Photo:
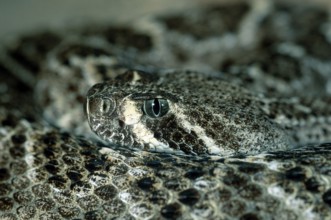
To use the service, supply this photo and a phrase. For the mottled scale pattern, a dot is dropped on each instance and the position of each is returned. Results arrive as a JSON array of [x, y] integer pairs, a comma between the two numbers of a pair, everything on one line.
[[226, 120], [254, 76], [58, 176]]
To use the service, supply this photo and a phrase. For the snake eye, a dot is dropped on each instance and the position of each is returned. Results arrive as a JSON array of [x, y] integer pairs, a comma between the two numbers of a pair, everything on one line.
[[100, 106], [156, 108]]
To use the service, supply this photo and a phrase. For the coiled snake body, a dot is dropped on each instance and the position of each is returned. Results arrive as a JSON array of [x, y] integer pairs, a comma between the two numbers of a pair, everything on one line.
[[222, 112]]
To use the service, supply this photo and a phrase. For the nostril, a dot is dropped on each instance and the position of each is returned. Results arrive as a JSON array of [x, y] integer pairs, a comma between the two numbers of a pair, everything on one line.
[[121, 123]]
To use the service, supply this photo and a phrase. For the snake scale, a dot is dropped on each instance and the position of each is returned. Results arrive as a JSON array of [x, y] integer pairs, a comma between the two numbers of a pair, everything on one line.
[[219, 112]]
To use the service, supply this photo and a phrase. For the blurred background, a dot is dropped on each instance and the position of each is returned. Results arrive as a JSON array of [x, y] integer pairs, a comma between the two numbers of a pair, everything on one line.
[[17, 16]]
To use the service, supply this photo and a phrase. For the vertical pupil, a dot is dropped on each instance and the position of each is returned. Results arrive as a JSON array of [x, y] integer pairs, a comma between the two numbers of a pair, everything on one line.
[[156, 107]]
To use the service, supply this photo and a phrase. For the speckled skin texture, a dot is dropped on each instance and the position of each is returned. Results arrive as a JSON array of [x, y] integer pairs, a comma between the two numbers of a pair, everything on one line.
[[264, 70], [206, 115]]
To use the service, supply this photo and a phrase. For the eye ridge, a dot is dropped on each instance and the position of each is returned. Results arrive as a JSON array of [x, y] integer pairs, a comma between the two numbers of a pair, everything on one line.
[[156, 108]]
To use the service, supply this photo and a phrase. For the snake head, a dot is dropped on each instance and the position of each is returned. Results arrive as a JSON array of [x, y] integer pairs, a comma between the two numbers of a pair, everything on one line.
[[138, 110], [123, 111]]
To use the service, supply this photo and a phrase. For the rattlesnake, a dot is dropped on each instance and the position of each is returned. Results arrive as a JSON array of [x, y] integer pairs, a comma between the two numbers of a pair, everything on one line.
[[202, 115]]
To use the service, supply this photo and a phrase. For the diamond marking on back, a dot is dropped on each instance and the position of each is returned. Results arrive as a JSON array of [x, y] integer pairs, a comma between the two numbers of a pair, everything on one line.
[[204, 117]]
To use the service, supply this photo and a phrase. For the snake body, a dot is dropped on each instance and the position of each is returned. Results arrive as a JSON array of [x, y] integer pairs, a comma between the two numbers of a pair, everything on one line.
[[221, 112]]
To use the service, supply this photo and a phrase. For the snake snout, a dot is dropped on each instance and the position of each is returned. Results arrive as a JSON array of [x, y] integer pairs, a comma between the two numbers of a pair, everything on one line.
[[100, 106]]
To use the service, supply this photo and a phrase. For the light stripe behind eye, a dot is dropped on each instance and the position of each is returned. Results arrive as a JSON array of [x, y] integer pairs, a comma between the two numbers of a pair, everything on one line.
[[145, 136], [209, 142]]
